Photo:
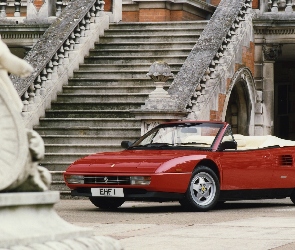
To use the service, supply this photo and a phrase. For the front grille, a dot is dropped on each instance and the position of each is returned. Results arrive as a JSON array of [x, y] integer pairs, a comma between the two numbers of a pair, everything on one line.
[[107, 180]]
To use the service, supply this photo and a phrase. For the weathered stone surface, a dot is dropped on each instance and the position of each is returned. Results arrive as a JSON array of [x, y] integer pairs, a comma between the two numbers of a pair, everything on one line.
[[28, 221], [52, 39], [204, 51]]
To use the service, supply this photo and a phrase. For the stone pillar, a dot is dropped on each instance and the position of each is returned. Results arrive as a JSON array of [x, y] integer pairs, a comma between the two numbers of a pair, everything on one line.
[[116, 11], [268, 97], [158, 107], [270, 53]]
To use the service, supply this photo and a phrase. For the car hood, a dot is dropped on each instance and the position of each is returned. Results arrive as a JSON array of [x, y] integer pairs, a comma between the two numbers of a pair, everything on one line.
[[127, 161]]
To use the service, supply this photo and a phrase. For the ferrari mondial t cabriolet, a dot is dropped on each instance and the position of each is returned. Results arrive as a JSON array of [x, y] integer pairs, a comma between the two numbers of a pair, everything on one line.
[[199, 164]]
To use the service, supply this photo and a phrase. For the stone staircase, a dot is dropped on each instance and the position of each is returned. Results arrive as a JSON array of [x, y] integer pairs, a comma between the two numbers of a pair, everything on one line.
[[92, 112]]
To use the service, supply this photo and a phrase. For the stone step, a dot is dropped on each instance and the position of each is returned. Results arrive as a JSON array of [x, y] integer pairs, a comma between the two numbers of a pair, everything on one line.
[[140, 52], [102, 97], [90, 122], [113, 73], [63, 157], [93, 131], [157, 31], [200, 24], [130, 82], [115, 105], [50, 140], [88, 114], [124, 67], [134, 59], [56, 166], [145, 45], [149, 38], [109, 89], [84, 149]]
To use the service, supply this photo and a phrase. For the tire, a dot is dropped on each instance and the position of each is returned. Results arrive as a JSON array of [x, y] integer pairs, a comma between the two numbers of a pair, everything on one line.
[[203, 191], [107, 203], [292, 196]]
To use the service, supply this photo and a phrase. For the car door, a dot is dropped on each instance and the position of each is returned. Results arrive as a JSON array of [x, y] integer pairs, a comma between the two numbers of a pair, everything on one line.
[[246, 169], [283, 167]]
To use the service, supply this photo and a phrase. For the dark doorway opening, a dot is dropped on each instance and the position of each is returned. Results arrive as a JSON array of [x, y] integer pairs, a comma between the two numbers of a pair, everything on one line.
[[237, 113], [284, 106]]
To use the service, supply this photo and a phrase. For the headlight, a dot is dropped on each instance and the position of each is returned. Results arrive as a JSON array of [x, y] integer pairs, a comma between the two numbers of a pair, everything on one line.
[[140, 180], [74, 179]]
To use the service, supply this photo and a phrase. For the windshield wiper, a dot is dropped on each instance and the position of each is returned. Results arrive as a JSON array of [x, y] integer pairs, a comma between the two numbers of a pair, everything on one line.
[[196, 143]]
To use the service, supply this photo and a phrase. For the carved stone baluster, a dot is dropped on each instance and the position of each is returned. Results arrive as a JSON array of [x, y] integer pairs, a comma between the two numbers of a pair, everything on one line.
[[77, 33], [82, 25], [25, 101], [269, 3], [99, 7], [17, 5], [49, 69], [92, 13], [72, 41], [61, 55], [58, 7], [87, 21], [66, 46], [289, 6], [55, 65], [3, 4], [37, 85], [275, 6], [31, 93], [43, 81]]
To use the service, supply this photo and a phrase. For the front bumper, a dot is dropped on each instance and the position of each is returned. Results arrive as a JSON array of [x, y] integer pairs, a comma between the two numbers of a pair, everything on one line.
[[136, 194]]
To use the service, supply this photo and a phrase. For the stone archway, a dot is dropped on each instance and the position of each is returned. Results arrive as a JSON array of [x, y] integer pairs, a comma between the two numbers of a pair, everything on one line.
[[239, 103]]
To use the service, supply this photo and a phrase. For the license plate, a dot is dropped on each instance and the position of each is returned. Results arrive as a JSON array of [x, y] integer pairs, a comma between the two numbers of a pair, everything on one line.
[[107, 192]]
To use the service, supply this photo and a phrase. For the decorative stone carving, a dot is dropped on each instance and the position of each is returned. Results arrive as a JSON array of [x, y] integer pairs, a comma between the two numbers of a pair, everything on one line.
[[159, 72], [272, 52], [28, 220]]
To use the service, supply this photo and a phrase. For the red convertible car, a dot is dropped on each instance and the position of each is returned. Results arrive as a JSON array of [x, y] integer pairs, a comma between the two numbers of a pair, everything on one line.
[[199, 164]]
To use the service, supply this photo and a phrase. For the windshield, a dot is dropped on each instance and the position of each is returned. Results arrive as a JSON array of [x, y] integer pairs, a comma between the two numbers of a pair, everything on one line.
[[199, 135]]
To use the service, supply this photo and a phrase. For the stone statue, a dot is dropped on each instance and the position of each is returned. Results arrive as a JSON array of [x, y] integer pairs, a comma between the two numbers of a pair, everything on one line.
[[20, 149], [21, 177]]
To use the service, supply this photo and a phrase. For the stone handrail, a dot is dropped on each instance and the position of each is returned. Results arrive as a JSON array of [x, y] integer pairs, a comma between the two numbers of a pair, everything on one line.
[[57, 54], [204, 69]]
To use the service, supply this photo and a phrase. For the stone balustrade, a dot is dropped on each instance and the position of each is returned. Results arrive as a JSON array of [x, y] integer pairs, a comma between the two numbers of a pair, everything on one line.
[[22, 8], [281, 6], [54, 54]]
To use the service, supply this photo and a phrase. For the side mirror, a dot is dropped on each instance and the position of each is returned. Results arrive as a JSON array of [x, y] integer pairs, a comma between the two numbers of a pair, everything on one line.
[[126, 144], [228, 145]]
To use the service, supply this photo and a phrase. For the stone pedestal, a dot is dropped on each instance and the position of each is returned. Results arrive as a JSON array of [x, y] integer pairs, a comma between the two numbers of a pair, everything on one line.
[[28, 221]]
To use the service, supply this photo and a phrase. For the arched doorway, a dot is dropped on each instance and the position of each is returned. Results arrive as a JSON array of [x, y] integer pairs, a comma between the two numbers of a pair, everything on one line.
[[238, 108]]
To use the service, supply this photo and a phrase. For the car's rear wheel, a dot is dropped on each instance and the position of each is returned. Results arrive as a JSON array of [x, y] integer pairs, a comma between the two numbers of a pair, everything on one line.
[[203, 190], [107, 203]]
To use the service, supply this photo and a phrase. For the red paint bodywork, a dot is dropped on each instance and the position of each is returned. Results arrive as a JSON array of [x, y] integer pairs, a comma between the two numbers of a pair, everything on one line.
[[171, 170]]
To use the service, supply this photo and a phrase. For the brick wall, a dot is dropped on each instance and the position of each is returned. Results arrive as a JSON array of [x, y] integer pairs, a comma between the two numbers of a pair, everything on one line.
[[108, 5], [130, 16], [158, 15]]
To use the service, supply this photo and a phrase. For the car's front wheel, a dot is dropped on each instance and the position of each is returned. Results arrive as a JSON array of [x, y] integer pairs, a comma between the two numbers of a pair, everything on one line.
[[203, 190], [107, 203]]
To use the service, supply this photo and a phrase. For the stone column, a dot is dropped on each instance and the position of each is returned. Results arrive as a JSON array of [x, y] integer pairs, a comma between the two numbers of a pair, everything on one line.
[[270, 53]]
